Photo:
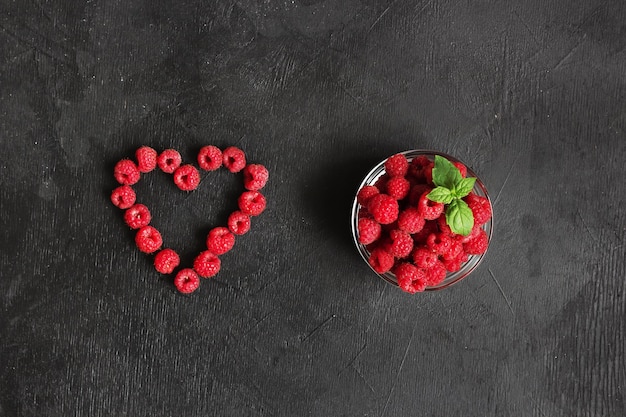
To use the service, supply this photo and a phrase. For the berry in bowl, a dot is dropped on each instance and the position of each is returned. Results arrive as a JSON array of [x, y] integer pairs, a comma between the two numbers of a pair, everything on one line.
[[422, 220]]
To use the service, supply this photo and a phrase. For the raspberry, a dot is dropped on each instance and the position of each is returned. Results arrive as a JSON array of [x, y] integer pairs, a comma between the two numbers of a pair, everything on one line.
[[410, 220], [480, 208], [396, 165], [187, 177], [169, 160], [255, 177], [429, 209], [383, 208], [435, 274], [234, 159], [462, 168], [369, 231], [381, 183], [207, 264], [381, 260], [430, 226], [443, 226], [251, 203], [424, 257], [478, 245], [238, 223], [146, 159], [186, 281], [417, 166], [126, 172], [148, 239], [428, 174], [220, 240], [416, 192], [166, 261], [475, 231], [411, 279], [440, 243], [398, 187], [210, 158], [365, 193], [454, 250], [137, 216], [401, 244], [453, 265], [123, 197]]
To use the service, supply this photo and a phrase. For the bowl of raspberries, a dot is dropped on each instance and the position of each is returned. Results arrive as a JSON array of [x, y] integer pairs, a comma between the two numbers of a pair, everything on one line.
[[422, 220]]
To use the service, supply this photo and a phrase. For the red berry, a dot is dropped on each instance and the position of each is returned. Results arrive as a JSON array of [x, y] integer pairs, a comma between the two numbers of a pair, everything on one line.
[[381, 183], [478, 245], [475, 231], [251, 203], [453, 265], [169, 160], [365, 193], [435, 274], [123, 197], [187, 177], [430, 226], [210, 158], [398, 187], [417, 166], [146, 159], [381, 260], [416, 192], [126, 172], [424, 257], [220, 240], [396, 165], [369, 231], [148, 239], [186, 281], [462, 168], [401, 244], [411, 279], [166, 261], [137, 216], [383, 208], [410, 220], [440, 243], [255, 177], [429, 209], [238, 223], [444, 227], [234, 159], [480, 206], [207, 264]]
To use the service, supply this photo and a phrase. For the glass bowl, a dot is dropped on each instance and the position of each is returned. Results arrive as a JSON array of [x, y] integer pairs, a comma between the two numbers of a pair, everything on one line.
[[451, 277]]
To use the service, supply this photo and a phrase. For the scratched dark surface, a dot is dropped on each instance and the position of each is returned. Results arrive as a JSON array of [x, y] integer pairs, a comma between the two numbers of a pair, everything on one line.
[[530, 93]]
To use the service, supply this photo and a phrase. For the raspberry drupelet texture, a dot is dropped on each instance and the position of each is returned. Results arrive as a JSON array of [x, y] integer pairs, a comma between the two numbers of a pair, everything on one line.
[[480, 208], [435, 274], [410, 278], [207, 264], [234, 159], [169, 160], [365, 193], [462, 168], [383, 208], [430, 210], [220, 240], [123, 197], [146, 159], [251, 203], [238, 223], [210, 158], [416, 192], [186, 281], [478, 245], [369, 230], [424, 257], [410, 220], [398, 187], [396, 165], [186, 177], [148, 239], [126, 172], [137, 216], [166, 261], [417, 166], [401, 244], [255, 177], [440, 243], [380, 260]]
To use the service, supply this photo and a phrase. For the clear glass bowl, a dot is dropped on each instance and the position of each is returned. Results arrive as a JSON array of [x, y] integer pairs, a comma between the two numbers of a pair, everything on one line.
[[451, 277]]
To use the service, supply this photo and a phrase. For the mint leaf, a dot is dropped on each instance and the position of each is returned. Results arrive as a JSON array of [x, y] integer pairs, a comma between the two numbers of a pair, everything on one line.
[[441, 195], [459, 217], [464, 187], [445, 174]]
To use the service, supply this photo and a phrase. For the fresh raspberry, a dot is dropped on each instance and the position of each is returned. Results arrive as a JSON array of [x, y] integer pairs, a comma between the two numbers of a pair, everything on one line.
[[381, 260], [255, 177], [428, 174], [207, 264], [416, 192], [186, 177], [444, 227], [430, 226], [369, 231], [169, 160], [186, 281], [166, 261], [462, 168], [401, 244], [416, 168], [475, 231], [210, 158], [480, 206], [435, 274], [429, 209], [148, 239], [251, 203], [383, 208], [410, 220], [137, 216], [126, 172], [454, 250], [453, 265], [123, 197], [398, 187], [478, 245], [381, 183], [397, 165], [411, 279], [424, 257], [238, 223], [440, 243], [234, 159], [365, 193], [146, 159], [220, 240]]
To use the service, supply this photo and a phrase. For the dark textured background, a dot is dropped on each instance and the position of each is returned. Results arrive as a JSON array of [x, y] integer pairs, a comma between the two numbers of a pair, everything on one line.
[[530, 93]]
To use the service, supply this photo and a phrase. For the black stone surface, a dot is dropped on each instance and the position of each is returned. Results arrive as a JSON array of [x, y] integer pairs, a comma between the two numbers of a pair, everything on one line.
[[530, 93]]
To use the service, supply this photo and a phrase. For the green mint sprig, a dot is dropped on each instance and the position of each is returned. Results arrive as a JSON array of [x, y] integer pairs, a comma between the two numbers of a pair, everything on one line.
[[451, 188]]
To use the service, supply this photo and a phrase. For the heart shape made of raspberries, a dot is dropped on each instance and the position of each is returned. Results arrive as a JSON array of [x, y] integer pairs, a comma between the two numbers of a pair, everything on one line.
[[187, 178]]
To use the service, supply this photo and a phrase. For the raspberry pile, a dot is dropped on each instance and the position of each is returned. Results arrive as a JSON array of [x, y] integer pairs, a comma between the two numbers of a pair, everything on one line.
[[187, 178], [406, 234]]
